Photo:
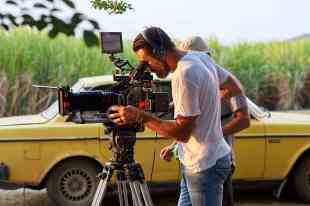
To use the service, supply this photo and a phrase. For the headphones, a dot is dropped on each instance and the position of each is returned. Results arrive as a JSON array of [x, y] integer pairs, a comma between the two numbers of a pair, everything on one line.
[[157, 44]]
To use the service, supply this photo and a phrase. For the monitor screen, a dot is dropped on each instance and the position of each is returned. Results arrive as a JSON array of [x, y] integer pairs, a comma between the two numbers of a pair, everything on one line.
[[111, 42]]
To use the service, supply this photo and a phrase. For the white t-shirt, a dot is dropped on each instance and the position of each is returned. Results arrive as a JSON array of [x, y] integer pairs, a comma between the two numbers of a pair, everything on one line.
[[195, 92]]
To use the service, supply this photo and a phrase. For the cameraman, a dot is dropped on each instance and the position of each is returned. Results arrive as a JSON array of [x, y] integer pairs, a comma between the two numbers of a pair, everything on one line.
[[234, 116], [197, 125]]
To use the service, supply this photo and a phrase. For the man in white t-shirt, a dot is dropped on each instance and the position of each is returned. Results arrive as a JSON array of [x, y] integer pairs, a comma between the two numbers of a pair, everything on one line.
[[197, 125], [234, 118]]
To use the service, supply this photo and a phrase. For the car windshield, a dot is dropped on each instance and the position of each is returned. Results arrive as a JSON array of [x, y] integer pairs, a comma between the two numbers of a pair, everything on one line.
[[256, 111], [53, 110]]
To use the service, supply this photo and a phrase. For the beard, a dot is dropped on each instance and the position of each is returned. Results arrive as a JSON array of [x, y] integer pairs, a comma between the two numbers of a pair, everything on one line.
[[163, 73]]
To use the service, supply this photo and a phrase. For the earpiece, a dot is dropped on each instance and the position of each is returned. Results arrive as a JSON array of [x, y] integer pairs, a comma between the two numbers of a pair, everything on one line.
[[158, 50]]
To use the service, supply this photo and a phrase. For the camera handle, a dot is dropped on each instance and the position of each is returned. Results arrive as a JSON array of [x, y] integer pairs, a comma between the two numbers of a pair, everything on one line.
[[120, 63]]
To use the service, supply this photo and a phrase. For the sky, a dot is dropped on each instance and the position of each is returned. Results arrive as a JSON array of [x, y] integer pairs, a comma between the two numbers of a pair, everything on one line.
[[229, 20]]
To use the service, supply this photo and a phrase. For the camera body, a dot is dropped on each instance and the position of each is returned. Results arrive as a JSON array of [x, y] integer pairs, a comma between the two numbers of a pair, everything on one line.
[[139, 95], [134, 88]]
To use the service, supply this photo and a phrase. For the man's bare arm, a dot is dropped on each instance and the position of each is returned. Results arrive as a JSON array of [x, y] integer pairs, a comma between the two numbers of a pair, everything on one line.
[[233, 86], [240, 121], [179, 129]]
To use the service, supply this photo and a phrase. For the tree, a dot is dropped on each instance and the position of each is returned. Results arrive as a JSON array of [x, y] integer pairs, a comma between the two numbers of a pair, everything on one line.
[[112, 6], [49, 14]]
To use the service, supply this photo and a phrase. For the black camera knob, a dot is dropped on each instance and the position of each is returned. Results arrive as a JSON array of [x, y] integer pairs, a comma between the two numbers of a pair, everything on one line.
[[107, 131]]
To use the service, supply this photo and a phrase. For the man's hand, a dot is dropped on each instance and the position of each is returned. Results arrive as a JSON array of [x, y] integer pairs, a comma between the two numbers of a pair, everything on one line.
[[224, 94], [166, 153], [123, 115], [179, 129]]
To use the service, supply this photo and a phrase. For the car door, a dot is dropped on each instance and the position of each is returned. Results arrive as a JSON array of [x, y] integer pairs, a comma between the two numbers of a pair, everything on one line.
[[250, 149]]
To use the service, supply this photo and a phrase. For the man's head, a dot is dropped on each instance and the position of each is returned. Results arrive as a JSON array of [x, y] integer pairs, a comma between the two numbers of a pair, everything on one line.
[[195, 43], [153, 46]]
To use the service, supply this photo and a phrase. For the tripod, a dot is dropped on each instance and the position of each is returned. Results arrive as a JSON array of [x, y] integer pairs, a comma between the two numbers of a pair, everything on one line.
[[129, 174]]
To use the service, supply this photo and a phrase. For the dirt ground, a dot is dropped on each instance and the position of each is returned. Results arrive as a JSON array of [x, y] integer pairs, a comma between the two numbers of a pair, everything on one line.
[[28, 197]]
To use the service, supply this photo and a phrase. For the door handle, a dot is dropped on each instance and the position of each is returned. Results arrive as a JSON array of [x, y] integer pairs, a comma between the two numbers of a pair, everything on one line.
[[274, 140]]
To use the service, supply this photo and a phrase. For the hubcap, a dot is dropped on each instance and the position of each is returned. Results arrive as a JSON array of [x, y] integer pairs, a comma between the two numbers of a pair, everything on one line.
[[75, 185]]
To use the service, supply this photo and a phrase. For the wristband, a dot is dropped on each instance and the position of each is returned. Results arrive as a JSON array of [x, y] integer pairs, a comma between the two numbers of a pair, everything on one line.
[[175, 151]]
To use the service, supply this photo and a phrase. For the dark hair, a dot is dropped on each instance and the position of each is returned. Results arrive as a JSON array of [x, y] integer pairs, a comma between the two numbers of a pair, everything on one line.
[[155, 34]]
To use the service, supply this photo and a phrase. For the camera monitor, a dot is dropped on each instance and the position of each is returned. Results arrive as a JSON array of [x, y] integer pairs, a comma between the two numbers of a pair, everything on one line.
[[111, 42]]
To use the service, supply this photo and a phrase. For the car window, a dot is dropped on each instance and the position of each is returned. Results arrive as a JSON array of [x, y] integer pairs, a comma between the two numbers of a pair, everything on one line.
[[255, 111], [105, 87], [164, 86]]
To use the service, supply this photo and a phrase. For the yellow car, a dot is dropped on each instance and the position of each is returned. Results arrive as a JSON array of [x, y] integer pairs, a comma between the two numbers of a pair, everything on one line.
[[45, 150]]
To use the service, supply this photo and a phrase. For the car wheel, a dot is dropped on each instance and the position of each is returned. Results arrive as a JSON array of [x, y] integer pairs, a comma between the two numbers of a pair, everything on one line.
[[73, 183], [302, 180]]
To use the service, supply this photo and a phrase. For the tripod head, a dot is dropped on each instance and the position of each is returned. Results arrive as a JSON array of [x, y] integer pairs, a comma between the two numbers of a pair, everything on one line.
[[122, 143]]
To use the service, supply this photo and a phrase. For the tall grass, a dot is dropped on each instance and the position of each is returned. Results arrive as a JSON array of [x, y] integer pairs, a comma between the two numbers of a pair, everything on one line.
[[255, 64], [251, 62], [57, 61], [28, 56]]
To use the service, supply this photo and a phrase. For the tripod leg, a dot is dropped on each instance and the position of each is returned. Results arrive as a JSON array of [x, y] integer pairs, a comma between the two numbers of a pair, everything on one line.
[[138, 192], [120, 193], [101, 189], [125, 192], [146, 194], [134, 195]]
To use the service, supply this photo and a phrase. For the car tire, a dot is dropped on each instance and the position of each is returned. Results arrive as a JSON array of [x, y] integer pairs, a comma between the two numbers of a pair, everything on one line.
[[301, 180], [73, 183]]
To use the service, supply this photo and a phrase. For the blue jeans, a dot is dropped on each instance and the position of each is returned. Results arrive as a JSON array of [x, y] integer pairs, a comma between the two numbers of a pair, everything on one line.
[[184, 199], [206, 187]]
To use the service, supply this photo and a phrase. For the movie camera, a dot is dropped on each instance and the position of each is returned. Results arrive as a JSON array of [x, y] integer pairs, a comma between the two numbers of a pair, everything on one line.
[[134, 88]]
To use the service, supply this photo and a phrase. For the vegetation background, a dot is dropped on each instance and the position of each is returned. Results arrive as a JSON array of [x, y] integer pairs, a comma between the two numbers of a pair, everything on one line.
[[276, 74]]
